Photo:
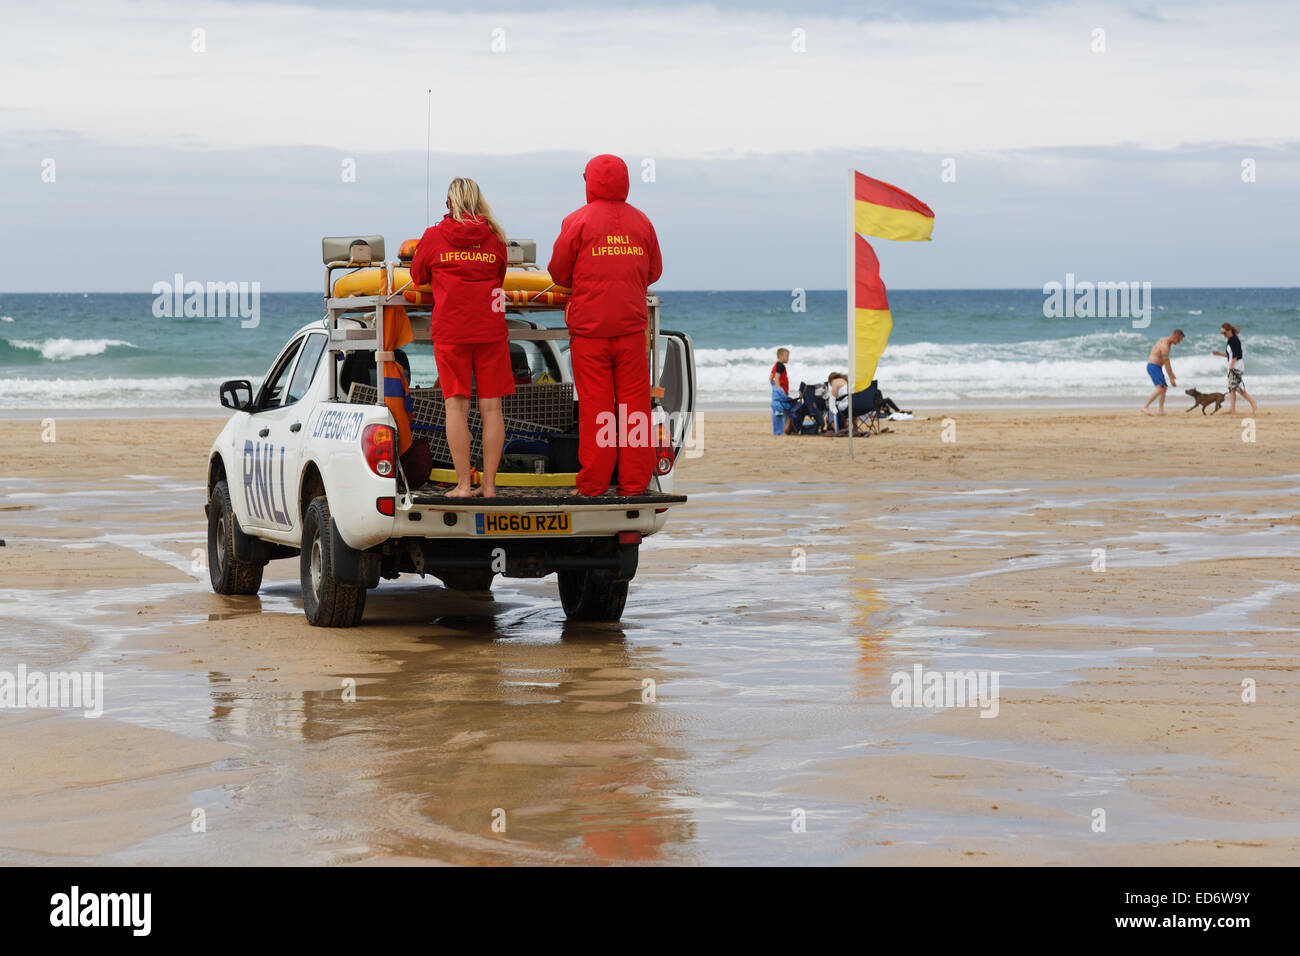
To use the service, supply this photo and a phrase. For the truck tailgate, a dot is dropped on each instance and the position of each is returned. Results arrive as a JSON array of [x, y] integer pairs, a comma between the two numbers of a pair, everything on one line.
[[534, 512], [543, 498]]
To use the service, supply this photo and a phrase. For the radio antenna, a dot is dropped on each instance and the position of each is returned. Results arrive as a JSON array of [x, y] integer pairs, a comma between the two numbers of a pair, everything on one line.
[[428, 138]]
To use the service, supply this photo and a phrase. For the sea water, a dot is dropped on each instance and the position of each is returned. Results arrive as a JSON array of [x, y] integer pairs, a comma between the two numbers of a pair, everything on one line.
[[985, 347]]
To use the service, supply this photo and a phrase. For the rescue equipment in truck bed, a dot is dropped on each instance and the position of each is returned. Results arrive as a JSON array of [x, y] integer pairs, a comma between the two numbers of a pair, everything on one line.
[[521, 286]]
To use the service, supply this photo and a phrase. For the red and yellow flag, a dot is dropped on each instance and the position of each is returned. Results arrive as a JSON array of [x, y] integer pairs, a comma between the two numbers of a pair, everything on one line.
[[887, 212], [871, 320]]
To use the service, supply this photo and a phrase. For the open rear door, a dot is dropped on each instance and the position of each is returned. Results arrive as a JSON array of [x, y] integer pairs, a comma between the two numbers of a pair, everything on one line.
[[677, 379]]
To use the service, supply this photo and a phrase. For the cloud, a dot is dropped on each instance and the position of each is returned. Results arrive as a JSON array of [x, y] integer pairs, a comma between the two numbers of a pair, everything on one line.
[[121, 218], [672, 80], [225, 164]]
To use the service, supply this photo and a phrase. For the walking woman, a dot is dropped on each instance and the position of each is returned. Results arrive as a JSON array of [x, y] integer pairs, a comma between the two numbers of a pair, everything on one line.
[[1236, 368], [463, 258]]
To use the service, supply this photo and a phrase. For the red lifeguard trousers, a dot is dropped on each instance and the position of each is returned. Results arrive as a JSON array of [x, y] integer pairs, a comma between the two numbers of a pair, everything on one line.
[[612, 379]]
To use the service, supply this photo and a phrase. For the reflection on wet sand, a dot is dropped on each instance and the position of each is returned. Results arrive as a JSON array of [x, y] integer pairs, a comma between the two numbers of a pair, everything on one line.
[[770, 681], [870, 609], [667, 738], [483, 745]]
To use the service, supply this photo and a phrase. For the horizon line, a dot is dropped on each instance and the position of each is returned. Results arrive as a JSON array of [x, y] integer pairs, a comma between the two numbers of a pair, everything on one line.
[[783, 291]]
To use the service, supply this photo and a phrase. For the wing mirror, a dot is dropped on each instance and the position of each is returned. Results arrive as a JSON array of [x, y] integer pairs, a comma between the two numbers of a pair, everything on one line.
[[237, 394]]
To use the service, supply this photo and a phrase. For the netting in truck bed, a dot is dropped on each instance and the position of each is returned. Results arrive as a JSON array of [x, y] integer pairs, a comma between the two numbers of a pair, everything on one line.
[[534, 411], [547, 404]]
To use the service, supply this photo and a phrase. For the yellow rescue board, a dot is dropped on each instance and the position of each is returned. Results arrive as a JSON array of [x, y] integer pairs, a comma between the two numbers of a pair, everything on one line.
[[369, 282], [517, 284], [512, 479]]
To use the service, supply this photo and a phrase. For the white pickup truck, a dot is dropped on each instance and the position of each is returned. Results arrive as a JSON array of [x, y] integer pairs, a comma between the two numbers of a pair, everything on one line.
[[306, 465]]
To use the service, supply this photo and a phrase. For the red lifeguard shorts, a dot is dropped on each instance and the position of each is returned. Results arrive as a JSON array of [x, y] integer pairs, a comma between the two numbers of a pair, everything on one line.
[[484, 364]]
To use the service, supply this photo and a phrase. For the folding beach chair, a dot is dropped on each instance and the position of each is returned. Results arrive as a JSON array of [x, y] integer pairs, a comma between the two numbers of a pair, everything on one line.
[[811, 415], [865, 407]]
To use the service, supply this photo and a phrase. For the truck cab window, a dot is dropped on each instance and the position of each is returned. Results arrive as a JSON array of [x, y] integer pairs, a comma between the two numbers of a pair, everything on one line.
[[275, 386], [538, 360], [424, 370], [529, 361], [306, 370]]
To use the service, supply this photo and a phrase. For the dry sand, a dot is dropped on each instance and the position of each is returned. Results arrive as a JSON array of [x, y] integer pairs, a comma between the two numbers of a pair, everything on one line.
[[964, 540]]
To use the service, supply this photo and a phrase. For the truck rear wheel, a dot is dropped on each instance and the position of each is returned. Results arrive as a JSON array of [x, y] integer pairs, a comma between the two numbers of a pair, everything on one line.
[[227, 573], [326, 601], [592, 595]]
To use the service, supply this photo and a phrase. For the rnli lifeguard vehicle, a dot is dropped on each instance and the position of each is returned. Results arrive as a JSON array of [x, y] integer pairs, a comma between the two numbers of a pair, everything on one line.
[[308, 467]]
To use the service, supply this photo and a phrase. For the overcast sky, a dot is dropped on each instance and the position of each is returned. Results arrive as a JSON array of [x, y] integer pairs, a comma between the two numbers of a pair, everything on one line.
[[227, 163]]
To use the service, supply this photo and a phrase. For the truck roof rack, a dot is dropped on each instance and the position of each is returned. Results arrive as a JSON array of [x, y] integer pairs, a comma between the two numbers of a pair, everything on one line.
[[369, 309]]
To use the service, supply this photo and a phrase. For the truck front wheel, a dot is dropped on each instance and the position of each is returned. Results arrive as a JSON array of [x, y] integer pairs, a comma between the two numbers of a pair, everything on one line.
[[592, 595], [228, 574], [326, 601]]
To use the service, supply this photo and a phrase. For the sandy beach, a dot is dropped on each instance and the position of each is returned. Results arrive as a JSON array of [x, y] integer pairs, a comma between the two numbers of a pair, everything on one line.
[[1123, 575]]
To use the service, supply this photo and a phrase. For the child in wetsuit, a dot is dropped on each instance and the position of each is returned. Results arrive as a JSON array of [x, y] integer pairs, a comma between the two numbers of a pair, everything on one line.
[[780, 391]]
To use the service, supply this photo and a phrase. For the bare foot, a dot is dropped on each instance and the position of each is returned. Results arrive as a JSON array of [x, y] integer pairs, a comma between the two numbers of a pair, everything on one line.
[[461, 491], [488, 491], [1146, 411]]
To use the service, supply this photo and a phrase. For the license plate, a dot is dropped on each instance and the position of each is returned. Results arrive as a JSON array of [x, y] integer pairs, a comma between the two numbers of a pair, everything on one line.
[[557, 523]]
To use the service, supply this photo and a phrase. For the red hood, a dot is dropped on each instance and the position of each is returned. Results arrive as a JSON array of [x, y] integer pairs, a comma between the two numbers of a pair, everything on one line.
[[607, 178], [473, 231]]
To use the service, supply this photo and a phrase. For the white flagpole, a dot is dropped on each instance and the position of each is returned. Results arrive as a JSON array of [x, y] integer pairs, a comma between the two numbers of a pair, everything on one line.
[[849, 294]]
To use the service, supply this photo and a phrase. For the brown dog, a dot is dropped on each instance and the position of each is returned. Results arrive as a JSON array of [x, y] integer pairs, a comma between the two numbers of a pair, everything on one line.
[[1204, 398]]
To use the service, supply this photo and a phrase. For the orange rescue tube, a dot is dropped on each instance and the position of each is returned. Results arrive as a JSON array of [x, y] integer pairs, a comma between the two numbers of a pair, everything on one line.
[[522, 287]]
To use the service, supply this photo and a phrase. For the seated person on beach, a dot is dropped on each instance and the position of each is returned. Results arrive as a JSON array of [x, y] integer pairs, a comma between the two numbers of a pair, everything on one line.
[[838, 384], [868, 401], [887, 408], [1160, 357]]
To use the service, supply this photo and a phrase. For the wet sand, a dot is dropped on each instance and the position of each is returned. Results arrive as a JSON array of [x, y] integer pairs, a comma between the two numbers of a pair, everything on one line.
[[747, 688]]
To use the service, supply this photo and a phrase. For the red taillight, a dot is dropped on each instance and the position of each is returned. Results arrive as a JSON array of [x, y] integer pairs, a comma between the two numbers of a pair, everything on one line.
[[384, 506], [629, 537], [663, 450], [377, 446]]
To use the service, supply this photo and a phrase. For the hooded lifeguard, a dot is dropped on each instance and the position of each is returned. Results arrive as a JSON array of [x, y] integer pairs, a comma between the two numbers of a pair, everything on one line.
[[608, 254]]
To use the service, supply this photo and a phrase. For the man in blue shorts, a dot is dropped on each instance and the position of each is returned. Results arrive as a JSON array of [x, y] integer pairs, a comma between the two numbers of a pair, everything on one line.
[[1160, 357]]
